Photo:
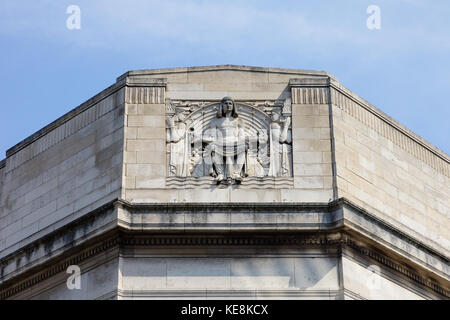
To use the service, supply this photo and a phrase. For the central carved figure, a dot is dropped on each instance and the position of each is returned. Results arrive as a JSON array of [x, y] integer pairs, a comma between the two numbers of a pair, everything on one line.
[[226, 137]]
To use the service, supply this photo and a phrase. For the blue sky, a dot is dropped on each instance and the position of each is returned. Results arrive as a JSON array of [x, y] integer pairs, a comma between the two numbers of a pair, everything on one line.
[[47, 69]]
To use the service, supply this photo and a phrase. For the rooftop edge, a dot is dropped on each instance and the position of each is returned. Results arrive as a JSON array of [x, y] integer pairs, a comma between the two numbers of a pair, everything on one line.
[[230, 67], [123, 80]]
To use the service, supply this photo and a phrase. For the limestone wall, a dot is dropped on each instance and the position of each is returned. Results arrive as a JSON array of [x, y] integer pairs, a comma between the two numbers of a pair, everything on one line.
[[145, 159], [388, 170], [362, 282], [62, 172], [313, 176]]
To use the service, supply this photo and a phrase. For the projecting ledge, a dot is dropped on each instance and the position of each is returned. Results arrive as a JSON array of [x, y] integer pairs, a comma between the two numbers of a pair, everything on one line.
[[340, 217]]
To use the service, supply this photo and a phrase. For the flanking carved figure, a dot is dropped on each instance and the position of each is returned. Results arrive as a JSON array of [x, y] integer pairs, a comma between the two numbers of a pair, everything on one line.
[[280, 146], [178, 143]]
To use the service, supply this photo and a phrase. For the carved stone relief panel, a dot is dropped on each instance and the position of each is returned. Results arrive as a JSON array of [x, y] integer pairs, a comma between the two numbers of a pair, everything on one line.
[[229, 141]]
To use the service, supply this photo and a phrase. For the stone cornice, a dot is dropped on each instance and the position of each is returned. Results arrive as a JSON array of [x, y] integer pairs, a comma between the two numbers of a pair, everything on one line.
[[335, 240], [227, 67], [235, 294], [146, 82], [386, 225], [252, 207], [52, 268], [309, 82], [281, 217], [408, 271], [339, 241], [77, 233], [322, 221]]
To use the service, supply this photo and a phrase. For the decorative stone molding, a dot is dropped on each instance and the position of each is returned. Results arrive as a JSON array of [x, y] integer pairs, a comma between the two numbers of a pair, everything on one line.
[[145, 95], [310, 95], [143, 81], [231, 240], [310, 90]]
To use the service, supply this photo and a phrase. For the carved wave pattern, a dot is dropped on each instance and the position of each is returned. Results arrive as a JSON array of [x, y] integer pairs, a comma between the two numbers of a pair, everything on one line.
[[247, 183]]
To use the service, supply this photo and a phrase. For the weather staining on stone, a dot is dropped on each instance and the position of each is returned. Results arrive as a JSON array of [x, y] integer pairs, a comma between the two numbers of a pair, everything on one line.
[[228, 140]]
